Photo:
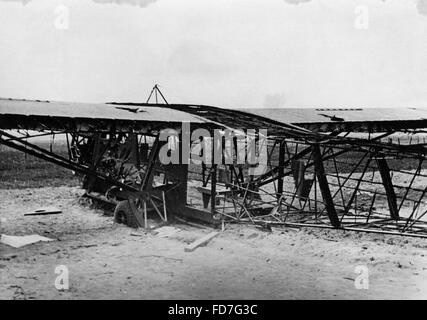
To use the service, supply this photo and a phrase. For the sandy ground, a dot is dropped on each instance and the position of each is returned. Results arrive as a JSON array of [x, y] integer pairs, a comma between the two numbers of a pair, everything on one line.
[[109, 261]]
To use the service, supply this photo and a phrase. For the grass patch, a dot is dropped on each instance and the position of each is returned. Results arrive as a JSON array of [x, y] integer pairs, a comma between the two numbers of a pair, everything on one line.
[[18, 170]]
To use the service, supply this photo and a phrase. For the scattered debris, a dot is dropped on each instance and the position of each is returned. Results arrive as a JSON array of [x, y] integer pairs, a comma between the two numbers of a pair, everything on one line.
[[283, 230], [137, 234], [165, 232], [200, 242], [264, 227], [159, 256], [49, 253], [8, 257], [43, 211], [191, 223], [329, 239], [20, 241], [83, 246], [277, 230], [390, 241], [252, 235]]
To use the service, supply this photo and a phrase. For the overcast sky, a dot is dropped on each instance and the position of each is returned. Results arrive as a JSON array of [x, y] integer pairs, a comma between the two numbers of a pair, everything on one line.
[[230, 53]]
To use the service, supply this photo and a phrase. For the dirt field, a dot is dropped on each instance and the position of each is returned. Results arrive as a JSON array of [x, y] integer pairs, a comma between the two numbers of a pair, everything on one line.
[[108, 261]]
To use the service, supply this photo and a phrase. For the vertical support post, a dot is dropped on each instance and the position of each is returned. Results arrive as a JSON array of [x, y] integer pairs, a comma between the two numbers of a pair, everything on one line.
[[164, 206], [149, 171], [213, 176], [89, 181], [281, 169], [388, 186], [95, 150], [324, 186], [68, 146], [213, 187], [145, 214]]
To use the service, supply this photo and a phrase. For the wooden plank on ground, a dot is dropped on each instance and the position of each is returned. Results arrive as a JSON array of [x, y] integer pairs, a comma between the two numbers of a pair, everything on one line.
[[200, 242], [43, 211]]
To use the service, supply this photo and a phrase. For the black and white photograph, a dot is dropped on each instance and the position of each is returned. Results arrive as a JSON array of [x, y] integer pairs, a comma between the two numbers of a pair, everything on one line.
[[213, 150]]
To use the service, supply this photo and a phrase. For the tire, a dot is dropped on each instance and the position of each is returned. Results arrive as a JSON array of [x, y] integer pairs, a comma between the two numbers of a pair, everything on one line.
[[123, 215]]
